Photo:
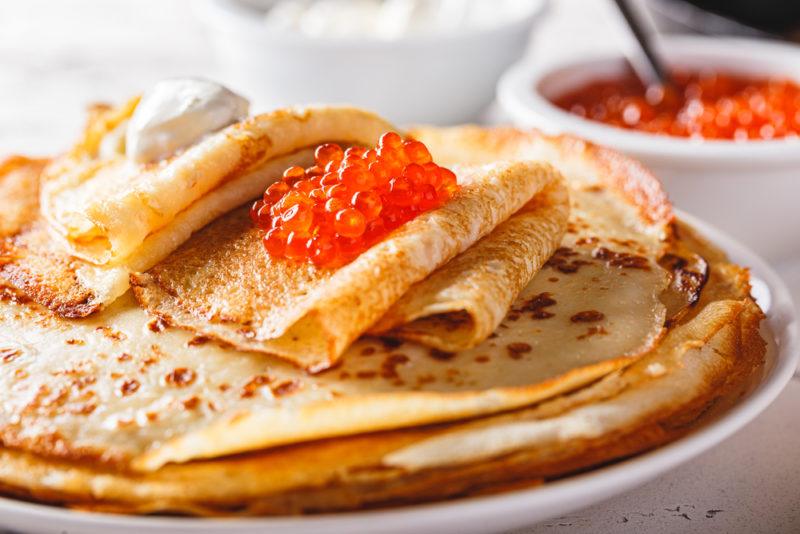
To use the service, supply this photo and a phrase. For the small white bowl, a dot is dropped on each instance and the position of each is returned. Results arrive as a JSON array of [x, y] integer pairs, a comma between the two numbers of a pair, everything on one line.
[[443, 78], [750, 189]]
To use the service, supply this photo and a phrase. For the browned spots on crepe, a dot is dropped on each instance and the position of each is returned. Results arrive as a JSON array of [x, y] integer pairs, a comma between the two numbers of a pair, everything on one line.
[[587, 316], [366, 375], [157, 325], [537, 306], [689, 277], [191, 403], [254, 384], [180, 377], [287, 387], [391, 342], [518, 349], [589, 240], [8, 355], [128, 387], [441, 355], [198, 341], [621, 259], [593, 331], [111, 333], [564, 261], [390, 365]]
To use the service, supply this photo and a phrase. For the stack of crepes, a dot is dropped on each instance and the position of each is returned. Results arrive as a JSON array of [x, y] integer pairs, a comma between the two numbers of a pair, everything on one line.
[[154, 357]]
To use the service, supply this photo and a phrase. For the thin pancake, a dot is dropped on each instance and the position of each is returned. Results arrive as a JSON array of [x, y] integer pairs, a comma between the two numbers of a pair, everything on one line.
[[582, 163], [310, 316], [708, 359], [39, 263], [116, 388], [105, 208]]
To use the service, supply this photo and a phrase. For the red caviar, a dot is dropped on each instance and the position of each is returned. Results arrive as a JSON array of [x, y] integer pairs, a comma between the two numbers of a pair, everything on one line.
[[349, 200], [707, 105]]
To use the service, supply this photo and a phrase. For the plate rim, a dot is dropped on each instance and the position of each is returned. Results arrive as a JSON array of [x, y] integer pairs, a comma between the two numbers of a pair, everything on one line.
[[578, 491]]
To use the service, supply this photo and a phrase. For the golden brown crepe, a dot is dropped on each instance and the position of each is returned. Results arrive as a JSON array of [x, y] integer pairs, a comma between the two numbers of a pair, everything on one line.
[[237, 293], [158, 396], [462, 303], [105, 208], [630, 331], [105, 217], [582, 163], [706, 361]]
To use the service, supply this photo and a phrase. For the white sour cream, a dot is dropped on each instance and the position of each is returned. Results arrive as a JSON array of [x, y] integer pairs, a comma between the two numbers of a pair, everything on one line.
[[176, 113]]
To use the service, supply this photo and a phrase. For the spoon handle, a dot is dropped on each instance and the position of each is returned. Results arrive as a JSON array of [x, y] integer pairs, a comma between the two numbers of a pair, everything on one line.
[[648, 65]]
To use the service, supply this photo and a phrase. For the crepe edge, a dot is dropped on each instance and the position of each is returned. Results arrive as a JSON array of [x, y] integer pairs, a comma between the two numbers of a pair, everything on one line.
[[472, 143], [242, 433]]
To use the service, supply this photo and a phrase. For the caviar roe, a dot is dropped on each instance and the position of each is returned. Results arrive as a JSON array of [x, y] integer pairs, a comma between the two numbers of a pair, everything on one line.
[[349, 200], [707, 105]]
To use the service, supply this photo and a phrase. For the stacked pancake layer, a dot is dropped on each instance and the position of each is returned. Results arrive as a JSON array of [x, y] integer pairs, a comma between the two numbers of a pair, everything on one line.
[[572, 322]]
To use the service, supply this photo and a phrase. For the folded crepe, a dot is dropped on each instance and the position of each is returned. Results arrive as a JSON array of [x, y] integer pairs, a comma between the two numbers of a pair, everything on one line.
[[223, 284], [105, 216], [124, 391], [462, 303], [105, 209]]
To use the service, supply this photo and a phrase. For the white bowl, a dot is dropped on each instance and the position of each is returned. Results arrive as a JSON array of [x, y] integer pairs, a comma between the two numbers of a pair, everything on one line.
[[749, 189], [444, 78]]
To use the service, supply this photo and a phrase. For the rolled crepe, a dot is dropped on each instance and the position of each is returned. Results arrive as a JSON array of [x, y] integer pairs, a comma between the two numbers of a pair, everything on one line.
[[223, 284], [462, 303], [105, 209], [105, 217]]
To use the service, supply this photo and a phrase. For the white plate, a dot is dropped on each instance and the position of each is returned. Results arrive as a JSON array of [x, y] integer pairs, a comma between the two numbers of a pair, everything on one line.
[[498, 512]]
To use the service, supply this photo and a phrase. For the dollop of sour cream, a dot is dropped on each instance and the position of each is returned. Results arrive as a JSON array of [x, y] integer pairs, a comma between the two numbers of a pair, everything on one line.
[[388, 19], [176, 113]]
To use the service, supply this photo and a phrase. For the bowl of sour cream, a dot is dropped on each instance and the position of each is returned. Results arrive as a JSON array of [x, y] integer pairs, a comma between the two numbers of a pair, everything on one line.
[[432, 61]]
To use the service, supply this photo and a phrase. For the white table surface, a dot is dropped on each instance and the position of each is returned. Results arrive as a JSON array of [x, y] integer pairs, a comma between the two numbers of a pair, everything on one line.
[[55, 57]]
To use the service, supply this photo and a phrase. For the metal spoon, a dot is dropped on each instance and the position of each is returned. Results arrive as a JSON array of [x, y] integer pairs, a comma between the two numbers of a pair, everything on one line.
[[647, 65]]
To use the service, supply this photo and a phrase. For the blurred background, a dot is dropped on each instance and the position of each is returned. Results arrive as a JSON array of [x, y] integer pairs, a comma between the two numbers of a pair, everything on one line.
[[56, 57], [436, 61]]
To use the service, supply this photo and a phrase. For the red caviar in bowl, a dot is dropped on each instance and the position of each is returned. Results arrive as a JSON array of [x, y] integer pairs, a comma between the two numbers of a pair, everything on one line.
[[704, 105], [349, 200]]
